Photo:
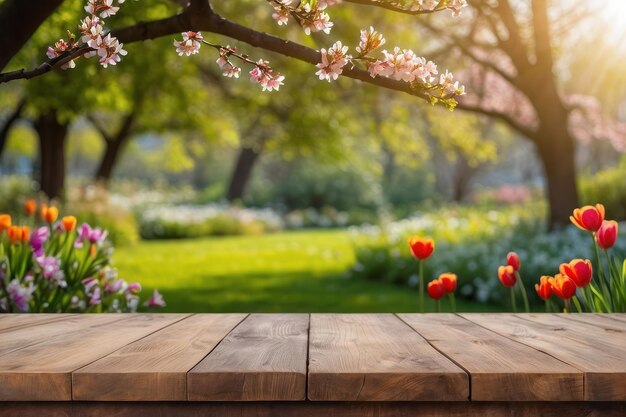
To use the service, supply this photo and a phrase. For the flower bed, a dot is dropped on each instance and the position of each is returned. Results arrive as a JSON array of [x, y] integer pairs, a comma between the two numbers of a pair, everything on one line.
[[53, 265]]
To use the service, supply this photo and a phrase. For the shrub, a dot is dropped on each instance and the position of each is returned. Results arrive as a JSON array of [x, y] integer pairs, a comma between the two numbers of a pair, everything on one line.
[[609, 187]]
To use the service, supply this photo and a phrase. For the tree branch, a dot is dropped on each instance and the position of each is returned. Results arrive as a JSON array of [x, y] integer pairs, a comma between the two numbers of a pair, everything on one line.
[[19, 19], [523, 130]]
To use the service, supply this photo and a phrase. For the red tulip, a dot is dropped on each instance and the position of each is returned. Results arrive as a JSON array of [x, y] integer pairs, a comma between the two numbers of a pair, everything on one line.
[[563, 286], [506, 275], [588, 218], [421, 247], [30, 206], [436, 289], [5, 222], [512, 259], [607, 234], [544, 289], [15, 234], [448, 280], [578, 270]]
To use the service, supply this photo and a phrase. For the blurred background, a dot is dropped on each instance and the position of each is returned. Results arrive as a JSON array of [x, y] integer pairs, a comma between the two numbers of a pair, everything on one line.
[[230, 199]]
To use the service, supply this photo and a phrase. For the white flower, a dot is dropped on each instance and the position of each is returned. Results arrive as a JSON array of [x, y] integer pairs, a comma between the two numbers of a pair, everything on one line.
[[332, 62], [190, 44]]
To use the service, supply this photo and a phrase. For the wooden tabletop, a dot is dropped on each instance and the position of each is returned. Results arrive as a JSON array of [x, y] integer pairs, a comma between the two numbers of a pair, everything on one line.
[[314, 358]]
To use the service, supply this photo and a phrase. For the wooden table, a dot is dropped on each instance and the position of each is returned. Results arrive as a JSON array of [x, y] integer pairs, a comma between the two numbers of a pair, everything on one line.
[[288, 365]]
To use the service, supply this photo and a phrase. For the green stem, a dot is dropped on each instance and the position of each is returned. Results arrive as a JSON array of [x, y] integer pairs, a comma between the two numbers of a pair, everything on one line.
[[452, 302], [547, 306], [421, 266], [513, 299], [523, 291], [438, 306]]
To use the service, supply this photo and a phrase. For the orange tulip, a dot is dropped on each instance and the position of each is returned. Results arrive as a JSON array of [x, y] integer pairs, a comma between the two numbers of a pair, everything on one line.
[[15, 234], [25, 233], [563, 286], [5, 222], [49, 214], [421, 247], [69, 223], [607, 234], [448, 280], [436, 289], [513, 260], [30, 206], [588, 218], [544, 289], [506, 275], [580, 271]]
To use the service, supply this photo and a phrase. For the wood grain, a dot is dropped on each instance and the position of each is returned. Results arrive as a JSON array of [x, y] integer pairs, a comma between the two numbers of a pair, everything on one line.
[[42, 372], [313, 409], [493, 361], [377, 357], [14, 321], [263, 359], [155, 367], [600, 355], [21, 336]]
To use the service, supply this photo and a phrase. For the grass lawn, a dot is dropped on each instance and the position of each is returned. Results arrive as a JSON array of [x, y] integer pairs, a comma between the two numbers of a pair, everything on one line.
[[284, 272]]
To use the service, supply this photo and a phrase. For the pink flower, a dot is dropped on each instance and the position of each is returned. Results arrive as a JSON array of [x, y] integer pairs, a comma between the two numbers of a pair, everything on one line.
[[95, 297], [262, 74], [20, 295], [104, 7], [108, 49], [281, 15], [156, 300], [370, 40], [190, 44], [333, 62]]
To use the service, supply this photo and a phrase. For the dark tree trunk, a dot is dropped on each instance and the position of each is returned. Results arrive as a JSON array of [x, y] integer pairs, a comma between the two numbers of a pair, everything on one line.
[[8, 124], [462, 177], [52, 134], [113, 149], [110, 158], [19, 19], [242, 173]]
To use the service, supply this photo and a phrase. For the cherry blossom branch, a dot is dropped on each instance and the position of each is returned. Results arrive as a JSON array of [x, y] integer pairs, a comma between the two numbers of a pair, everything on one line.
[[419, 8]]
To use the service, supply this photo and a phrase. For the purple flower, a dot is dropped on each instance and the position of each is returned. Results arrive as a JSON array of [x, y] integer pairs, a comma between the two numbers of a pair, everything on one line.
[[95, 297], [89, 283], [134, 288], [49, 266], [37, 239], [93, 235], [156, 300], [114, 286], [20, 295]]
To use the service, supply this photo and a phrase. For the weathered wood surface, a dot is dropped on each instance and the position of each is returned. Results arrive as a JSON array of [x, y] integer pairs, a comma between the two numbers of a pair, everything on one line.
[[377, 357], [500, 369], [309, 365], [154, 368], [264, 358], [600, 353]]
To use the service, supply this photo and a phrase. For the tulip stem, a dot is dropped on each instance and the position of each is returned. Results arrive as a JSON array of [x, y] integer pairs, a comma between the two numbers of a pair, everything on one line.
[[438, 306], [523, 291], [566, 308], [421, 267], [547, 306], [452, 302], [513, 299]]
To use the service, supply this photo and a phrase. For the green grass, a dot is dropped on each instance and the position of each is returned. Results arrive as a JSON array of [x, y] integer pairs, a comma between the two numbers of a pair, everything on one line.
[[284, 272]]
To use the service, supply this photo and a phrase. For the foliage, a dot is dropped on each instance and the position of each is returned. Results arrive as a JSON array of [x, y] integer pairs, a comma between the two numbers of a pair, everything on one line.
[[185, 221], [470, 242], [14, 190], [55, 266], [607, 186]]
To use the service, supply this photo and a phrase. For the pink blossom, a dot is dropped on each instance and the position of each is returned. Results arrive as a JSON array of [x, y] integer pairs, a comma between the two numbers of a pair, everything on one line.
[[317, 19], [108, 49], [103, 7], [333, 62], [134, 288], [95, 297], [156, 300], [370, 40], [262, 74], [190, 44], [59, 48], [20, 295], [281, 15], [91, 28]]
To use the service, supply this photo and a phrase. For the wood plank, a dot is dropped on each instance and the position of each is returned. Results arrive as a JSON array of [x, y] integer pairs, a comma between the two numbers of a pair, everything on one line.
[[24, 335], [312, 409], [154, 368], [600, 358], [601, 321], [42, 372], [14, 321], [500, 369], [614, 316], [264, 358], [377, 357]]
